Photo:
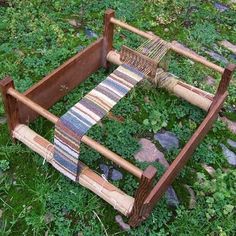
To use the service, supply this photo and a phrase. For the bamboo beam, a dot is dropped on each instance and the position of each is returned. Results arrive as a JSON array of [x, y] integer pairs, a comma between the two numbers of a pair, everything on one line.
[[174, 46], [87, 178], [85, 139], [189, 93]]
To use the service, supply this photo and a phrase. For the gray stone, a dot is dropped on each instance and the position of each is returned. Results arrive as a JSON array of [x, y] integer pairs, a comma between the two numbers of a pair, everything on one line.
[[217, 56], [48, 218], [90, 34], [231, 124], [192, 200], [105, 169], [209, 80], [148, 152], [3, 120], [233, 56], [121, 223], [116, 175], [74, 23], [231, 143], [110, 173], [168, 140], [231, 156], [209, 169], [80, 48], [220, 7], [171, 197]]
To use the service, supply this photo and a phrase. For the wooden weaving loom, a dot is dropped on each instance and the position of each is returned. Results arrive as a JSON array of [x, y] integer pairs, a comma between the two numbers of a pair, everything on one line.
[[21, 109]]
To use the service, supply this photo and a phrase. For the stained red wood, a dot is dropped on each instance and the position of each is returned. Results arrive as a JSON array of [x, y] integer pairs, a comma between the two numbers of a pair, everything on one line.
[[61, 81], [224, 82], [10, 104], [174, 169], [107, 35], [142, 192]]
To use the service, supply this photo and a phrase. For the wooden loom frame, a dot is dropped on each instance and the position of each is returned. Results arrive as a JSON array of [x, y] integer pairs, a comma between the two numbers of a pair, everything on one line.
[[21, 109]]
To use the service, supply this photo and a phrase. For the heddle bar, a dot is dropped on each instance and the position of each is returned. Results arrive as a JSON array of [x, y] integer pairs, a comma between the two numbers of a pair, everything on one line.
[[138, 61]]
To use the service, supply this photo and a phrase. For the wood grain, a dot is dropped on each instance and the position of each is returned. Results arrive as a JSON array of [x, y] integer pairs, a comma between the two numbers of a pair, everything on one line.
[[145, 186], [107, 36], [10, 104], [62, 80]]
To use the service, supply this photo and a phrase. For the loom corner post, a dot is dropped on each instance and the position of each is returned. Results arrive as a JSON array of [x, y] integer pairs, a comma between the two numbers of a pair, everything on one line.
[[10, 105], [224, 83], [107, 36], [145, 187]]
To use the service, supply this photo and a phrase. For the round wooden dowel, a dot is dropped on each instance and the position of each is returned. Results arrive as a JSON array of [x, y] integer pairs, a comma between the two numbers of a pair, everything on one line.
[[173, 47]]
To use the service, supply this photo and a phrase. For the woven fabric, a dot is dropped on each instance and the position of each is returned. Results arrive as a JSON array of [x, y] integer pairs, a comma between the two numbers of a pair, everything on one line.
[[88, 111]]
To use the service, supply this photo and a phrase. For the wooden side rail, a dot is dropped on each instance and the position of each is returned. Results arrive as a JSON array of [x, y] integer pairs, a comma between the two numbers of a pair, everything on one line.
[[85, 139], [61, 81], [174, 46], [87, 178]]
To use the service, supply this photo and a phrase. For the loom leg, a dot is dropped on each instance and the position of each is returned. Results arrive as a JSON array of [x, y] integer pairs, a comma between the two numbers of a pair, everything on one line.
[[10, 105], [142, 192], [107, 36]]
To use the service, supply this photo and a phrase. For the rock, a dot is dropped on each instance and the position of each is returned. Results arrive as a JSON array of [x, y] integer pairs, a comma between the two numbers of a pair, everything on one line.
[[148, 152], [48, 218], [231, 143], [3, 120], [90, 34], [209, 169], [74, 23], [192, 201], [168, 140], [116, 175], [171, 197], [105, 169], [231, 156], [228, 45], [233, 56], [209, 80], [121, 223], [231, 124], [220, 7], [80, 48], [217, 56], [110, 173]]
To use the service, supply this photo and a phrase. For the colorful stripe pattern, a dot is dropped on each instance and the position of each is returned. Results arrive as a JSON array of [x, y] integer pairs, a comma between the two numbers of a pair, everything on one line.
[[88, 111]]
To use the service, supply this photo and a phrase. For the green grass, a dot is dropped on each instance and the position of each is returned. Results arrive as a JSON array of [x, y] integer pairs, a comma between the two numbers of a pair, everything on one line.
[[35, 38]]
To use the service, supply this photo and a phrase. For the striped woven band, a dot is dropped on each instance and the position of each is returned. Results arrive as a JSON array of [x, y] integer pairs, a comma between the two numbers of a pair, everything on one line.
[[88, 111]]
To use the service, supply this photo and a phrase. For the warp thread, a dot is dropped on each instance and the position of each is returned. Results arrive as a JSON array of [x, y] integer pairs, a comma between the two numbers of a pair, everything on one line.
[[164, 79]]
